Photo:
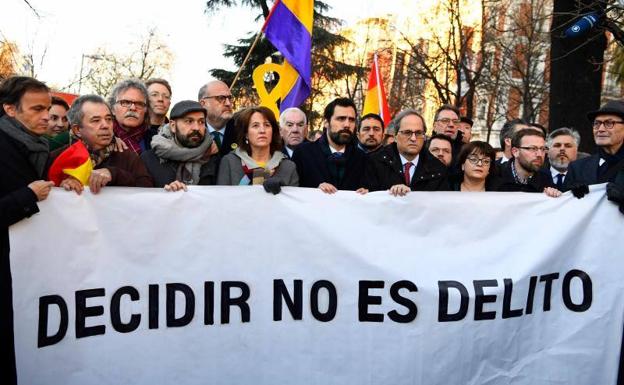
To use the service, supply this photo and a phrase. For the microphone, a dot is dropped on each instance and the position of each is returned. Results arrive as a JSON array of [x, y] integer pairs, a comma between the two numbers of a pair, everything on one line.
[[583, 25]]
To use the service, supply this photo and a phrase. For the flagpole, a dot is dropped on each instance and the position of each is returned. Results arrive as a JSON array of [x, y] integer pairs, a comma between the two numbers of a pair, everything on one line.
[[246, 58]]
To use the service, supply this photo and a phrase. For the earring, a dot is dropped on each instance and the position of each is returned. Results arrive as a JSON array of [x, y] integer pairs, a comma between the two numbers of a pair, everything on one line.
[[246, 141]]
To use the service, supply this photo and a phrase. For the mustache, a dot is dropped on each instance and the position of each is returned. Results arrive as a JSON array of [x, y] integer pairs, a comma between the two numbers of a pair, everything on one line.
[[131, 114]]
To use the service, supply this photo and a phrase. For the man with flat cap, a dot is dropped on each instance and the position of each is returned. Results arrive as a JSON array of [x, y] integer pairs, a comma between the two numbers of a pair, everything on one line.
[[603, 166], [182, 153]]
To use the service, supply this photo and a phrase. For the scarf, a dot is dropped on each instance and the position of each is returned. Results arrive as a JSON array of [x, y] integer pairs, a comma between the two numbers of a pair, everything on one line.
[[37, 147], [190, 160], [132, 138], [255, 174], [97, 156]]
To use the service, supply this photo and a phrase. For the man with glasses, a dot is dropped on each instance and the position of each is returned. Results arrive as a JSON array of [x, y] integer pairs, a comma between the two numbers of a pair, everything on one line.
[[608, 128], [129, 102], [370, 133], [293, 129], [521, 172], [216, 98], [446, 122], [159, 94], [402, 166]]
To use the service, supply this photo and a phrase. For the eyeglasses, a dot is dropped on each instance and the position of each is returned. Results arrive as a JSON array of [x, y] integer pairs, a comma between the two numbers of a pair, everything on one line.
[[127, 103], [159, 95], [535, 149], [409, 133], [220, 98], [608, 124], [475, 161], [449, 120]]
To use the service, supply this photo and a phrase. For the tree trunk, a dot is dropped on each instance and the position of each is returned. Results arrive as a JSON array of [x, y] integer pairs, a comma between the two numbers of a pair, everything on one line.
[[575, 71]]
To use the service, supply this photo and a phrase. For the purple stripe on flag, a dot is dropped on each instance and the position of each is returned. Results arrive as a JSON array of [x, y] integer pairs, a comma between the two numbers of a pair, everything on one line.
[[291, 38], [296, 96]]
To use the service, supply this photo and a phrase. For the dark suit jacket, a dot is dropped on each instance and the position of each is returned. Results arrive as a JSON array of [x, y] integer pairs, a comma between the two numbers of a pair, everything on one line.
[[585, 171], [313, 165], [229, 138], [384, 170]]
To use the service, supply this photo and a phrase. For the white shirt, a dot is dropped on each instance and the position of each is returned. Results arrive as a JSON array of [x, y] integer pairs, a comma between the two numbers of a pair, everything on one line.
[[413, 168], [504, 159], [554, 172], [290, 151], [333, 150], [212, 129]]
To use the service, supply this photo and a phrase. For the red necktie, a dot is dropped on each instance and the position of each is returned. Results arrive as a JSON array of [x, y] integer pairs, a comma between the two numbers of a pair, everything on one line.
[[408, 166]]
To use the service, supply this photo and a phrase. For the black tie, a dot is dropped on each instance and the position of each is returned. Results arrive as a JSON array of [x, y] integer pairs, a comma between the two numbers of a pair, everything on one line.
[[217, 137], [559, 182]]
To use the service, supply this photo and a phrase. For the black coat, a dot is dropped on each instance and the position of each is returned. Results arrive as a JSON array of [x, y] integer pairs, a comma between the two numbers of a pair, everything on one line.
[[586, 171], [165, 173], [314, 166], [17, 202], [384, 170], [536, 184], [229, 138]]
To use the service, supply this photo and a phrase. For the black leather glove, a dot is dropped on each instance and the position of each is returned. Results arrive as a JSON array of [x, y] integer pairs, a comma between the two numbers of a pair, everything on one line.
[[615, 193], [579, 190], [272, 185]]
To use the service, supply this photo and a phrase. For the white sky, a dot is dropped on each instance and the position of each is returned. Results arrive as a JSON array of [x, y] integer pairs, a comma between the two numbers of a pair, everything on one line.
[[68, 29]]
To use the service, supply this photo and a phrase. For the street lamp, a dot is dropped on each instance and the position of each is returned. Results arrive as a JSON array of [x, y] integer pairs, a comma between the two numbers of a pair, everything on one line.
[[94, 57]]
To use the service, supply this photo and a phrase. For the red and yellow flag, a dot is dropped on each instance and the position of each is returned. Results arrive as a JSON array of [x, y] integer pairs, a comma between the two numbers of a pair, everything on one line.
[[375, 101], [74, 161]]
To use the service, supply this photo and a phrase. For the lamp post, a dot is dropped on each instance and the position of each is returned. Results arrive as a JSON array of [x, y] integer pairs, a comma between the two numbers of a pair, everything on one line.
[[94, 57]]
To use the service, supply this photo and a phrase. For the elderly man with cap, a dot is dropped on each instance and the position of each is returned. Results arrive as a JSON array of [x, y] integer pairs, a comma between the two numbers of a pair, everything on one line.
[[608, 128], [182, 153]]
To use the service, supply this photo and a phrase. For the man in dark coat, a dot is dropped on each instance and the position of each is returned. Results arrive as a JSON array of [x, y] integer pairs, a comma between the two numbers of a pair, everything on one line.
[[402, 166], [522, 171], [603, 166], [216, 98], [24, 118], [293, 125], [333, 162]]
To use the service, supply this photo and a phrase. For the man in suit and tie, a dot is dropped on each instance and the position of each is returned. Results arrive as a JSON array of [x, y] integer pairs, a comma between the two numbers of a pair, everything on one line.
[[216, 98], [402, 166], [333, 162], [562, 146]]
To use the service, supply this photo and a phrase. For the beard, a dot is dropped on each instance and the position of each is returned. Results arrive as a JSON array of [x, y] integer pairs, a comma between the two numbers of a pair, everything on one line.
[[342, 137], [191, 140], [560, 165], [529, 166]]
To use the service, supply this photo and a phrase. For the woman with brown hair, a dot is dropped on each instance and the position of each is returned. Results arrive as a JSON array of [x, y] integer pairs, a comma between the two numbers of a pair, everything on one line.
[[258, 158], [476, 160]]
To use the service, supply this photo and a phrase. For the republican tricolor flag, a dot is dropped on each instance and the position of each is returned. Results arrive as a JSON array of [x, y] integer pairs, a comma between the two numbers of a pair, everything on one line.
[[375, 101], [75, 161], [289, 28]]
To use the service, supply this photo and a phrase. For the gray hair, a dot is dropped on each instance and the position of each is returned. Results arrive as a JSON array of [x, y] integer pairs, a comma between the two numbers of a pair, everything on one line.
[[126, 85], [75, 114], [564, 131], [282, 117], [394, 125]]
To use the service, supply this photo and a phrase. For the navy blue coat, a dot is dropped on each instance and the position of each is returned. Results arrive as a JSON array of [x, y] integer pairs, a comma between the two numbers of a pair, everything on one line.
[[313, 165]]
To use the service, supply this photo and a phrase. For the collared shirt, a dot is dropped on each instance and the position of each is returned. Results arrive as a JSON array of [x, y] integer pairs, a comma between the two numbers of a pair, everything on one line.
[[333, 150], [212, 129], [504, 159], [414, 163], [290, 151], [554, 172]]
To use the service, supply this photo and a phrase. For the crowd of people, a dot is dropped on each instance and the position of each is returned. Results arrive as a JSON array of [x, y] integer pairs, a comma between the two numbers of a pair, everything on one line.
[[136, 138]]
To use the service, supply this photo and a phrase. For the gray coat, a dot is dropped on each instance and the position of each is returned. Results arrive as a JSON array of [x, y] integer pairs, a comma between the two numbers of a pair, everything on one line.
[[231, 171]]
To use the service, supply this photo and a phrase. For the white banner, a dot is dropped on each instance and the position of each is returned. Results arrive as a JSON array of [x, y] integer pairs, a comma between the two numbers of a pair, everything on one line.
[[230, 285]]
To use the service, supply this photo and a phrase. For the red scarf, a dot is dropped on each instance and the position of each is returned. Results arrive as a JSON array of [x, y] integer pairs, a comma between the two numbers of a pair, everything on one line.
[[132, 138]]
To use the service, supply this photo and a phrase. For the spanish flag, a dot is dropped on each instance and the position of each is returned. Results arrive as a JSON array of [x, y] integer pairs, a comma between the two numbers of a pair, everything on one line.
[[289, 28], [375, 101], [75, 161]]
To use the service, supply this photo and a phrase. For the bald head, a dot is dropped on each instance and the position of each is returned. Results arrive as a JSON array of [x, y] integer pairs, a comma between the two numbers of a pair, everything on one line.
[[216, 98]]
